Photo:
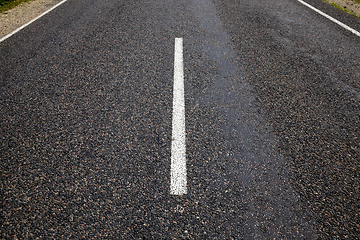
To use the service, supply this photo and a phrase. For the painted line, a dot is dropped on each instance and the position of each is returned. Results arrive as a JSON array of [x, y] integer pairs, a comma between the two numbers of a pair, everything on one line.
[[178, 147], [30, 22], [331, 18]]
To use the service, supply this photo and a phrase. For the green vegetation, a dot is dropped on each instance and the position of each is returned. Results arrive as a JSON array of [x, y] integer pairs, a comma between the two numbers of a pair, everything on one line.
[[343, 9], [9, 4]]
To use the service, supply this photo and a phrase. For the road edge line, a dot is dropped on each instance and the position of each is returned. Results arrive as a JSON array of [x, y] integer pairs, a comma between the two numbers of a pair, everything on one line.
[[331, 18], [31, 21]]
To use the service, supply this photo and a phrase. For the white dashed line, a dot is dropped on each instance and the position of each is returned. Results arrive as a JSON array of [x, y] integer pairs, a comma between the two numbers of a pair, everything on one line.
[[331, 18], [178, 147], [30, 22]]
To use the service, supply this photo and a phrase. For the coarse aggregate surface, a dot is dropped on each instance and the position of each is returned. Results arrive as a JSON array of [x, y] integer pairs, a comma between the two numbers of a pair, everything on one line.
[[307, 80], [272, 123]]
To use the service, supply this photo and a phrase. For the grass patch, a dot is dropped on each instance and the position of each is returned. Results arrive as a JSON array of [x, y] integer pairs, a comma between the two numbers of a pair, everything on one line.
[[343, 9], [6, 5]]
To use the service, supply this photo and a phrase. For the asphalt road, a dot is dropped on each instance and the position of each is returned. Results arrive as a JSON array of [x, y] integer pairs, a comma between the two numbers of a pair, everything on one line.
[[272, 107]]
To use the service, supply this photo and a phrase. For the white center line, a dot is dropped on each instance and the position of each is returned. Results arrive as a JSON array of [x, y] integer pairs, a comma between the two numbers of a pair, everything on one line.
[[331, 18], [178, 147]]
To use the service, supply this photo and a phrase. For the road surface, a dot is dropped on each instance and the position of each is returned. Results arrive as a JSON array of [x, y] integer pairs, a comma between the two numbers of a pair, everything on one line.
[[271, 103]]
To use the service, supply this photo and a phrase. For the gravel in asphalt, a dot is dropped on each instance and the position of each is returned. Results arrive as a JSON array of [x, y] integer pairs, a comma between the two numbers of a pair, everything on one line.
[[272, 123]]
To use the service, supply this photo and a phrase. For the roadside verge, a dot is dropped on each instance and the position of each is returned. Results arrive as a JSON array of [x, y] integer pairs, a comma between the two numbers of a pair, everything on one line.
[[348, 6]]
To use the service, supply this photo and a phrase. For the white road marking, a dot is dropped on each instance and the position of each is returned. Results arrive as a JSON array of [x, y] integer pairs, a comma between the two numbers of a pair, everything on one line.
[[178, 185], [30, 22], [331, 18]]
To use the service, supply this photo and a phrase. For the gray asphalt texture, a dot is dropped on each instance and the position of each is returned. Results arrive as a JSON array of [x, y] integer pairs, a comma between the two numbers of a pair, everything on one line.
[[272, 92]]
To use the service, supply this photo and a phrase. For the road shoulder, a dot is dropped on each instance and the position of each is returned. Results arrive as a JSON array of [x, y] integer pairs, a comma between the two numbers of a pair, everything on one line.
[[20, 15]]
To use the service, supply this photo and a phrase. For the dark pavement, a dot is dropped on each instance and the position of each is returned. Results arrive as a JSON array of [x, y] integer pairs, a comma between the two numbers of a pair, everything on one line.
[[272, 94]]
